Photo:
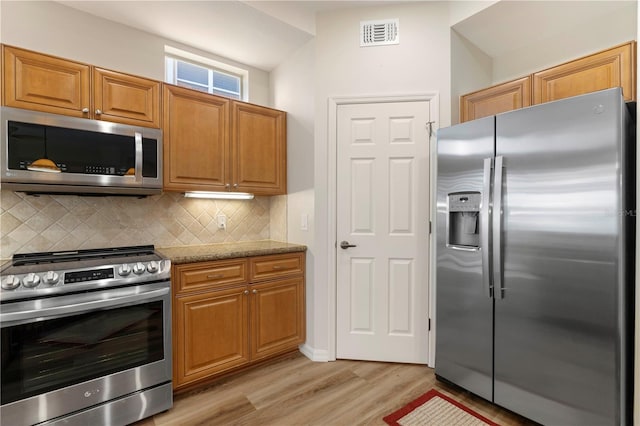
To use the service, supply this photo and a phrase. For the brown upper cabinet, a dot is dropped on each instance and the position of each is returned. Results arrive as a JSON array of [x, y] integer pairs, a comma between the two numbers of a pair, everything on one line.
[[258, 149], [216, 144], [46, 83], [196, 140], [614, 67], [496, 99]]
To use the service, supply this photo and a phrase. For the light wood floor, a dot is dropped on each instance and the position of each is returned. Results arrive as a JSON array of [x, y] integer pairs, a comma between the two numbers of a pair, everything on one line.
[[297, 391]]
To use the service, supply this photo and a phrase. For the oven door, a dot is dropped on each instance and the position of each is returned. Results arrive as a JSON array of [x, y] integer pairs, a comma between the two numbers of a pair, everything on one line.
[[64, 354]]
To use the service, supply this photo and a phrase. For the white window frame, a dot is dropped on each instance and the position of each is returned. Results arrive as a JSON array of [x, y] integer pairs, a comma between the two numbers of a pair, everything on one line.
[[173, 55]]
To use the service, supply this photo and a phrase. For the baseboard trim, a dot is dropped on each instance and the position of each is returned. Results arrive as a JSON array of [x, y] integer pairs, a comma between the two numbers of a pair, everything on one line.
[[317, 355]]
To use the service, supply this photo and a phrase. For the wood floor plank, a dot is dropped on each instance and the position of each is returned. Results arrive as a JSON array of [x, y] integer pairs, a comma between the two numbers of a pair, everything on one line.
[[214, 406], [301, 406], [296, 391], [301, 383], [392, 388]]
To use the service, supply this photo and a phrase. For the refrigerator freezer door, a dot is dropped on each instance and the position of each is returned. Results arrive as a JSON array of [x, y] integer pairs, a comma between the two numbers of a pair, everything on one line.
[[464, 309], [558, 356]]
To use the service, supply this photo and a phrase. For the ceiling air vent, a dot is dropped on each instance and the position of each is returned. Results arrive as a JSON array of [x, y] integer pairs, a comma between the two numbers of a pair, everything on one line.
[[378, 33]]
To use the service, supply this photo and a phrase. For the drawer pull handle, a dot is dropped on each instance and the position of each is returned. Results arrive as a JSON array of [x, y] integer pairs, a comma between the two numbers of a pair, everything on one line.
[[215, 276]]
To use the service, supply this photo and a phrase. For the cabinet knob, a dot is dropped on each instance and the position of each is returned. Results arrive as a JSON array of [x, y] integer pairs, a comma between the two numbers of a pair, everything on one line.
[[228, 186], [98, 112], [246, 292], [235, 185], [254, 291], [85, 110]]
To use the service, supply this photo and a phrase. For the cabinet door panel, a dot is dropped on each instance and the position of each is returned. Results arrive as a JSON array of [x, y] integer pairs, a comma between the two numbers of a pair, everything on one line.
[[258, 140], [210, 334], [45, 83], [196, 140], [277, 317], [494, 100], [614, 67], [126, 99]]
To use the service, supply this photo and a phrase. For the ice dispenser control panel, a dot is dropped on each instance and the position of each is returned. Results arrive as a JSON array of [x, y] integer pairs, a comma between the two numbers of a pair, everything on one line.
[[464, 217]]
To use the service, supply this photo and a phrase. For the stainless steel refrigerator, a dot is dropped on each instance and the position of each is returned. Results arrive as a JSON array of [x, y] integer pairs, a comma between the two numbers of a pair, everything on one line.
[[535, 248]]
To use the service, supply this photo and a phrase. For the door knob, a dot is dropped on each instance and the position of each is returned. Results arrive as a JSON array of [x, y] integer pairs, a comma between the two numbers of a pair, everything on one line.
[[345, 245]]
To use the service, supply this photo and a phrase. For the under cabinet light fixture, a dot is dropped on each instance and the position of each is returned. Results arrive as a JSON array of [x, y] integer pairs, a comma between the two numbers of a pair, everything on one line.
[[219, 195]]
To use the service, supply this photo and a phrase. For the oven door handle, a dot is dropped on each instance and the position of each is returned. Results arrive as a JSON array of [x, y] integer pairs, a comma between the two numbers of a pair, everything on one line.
[[80, 304]]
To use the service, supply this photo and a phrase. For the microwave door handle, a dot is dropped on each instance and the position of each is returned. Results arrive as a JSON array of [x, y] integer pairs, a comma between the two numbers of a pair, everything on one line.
[[138, 169], [75, 306]]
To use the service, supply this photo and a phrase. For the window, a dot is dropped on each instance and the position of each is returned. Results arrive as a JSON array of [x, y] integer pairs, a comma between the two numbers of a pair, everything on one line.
[[206, 78]]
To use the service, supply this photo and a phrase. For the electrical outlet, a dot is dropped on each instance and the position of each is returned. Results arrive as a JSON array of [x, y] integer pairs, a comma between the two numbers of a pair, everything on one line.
[[222, 221]]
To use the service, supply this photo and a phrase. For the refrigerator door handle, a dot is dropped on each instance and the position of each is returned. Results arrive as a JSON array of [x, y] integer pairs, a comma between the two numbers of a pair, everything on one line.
[[497, 228], [485, 212]]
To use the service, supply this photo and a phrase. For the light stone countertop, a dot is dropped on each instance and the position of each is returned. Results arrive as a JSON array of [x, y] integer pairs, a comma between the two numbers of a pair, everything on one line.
[[207, 252]]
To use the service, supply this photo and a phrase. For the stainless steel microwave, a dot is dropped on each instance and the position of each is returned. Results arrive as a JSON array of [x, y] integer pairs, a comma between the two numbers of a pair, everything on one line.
[[50, 153]]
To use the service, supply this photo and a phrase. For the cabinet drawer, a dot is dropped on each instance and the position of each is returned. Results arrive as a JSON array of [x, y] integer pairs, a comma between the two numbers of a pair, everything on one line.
[[209, 275], [266, 267]]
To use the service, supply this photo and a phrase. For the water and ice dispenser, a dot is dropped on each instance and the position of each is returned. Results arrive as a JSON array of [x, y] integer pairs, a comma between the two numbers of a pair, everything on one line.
[[464, 220]]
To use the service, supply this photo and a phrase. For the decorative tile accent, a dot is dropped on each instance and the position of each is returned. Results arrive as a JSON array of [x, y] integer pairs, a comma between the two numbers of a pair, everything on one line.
[[67, 222]]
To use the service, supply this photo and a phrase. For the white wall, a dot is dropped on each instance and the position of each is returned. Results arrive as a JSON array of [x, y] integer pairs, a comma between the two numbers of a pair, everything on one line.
[[608, 30], [470, 68], [55, 29], [418, 65], [293, 89]]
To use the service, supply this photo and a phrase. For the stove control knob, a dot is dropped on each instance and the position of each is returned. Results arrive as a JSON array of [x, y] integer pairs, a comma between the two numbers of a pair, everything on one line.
[[10, 282], [31, 280], [124, 270], [152, 267], [50, 278], [138, 268]]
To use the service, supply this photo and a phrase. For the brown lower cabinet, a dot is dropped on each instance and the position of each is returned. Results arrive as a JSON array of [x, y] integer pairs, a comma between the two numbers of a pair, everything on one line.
[[230, 314]]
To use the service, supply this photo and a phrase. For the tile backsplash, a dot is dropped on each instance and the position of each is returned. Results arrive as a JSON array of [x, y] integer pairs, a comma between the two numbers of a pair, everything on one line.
[[66, 222]]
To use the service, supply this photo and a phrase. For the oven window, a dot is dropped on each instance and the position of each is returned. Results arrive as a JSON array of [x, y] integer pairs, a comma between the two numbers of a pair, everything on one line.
[[42, 356]]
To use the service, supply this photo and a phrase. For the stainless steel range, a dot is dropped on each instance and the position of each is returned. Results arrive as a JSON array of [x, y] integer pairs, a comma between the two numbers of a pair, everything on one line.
[[86, 337]]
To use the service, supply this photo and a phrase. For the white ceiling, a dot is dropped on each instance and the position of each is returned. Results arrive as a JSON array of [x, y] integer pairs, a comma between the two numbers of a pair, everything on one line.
[[263, 33], [257, 33]]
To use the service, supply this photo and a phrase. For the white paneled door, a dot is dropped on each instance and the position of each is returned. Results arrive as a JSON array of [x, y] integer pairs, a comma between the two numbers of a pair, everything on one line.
[[383, 213]]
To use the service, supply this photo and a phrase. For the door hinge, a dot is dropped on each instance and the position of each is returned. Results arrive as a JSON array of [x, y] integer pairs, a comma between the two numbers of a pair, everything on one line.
[[429, 227], [429, 325]]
